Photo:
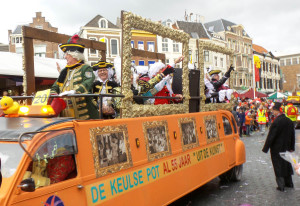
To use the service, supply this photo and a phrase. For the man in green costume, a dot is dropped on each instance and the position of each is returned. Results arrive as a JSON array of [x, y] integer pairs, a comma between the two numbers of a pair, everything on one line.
[[76, 78]]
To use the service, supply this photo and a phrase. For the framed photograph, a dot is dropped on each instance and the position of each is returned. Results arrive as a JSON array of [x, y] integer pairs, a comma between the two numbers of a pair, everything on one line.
[[211, 129], [111, 149], [188, 133], [157, 139]]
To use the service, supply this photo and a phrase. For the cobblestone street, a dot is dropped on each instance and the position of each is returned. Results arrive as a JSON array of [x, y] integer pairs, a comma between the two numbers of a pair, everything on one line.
[[258, 185]]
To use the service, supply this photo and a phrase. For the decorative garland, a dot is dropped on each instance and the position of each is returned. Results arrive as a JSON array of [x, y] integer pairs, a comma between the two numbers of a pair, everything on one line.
[[128, 109], [204, 45]]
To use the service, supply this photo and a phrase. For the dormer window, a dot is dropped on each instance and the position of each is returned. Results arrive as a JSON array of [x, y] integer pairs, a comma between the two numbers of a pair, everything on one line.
[[103, 23]]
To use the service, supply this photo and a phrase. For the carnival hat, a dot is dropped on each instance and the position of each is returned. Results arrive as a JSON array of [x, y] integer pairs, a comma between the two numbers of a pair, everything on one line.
[[101, 65], [212, 72], [277, 106], [72, 45]]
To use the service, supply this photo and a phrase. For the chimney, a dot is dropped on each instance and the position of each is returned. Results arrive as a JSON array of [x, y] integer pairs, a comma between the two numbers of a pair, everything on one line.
[[202, 19], [38, 14], [9, 33], [118, 23]]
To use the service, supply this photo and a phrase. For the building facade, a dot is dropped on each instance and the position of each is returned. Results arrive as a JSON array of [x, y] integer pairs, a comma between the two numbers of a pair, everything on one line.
[[290, 67], [269, 73], [238, 40], [169, 47], [41, 48], [101, 29]]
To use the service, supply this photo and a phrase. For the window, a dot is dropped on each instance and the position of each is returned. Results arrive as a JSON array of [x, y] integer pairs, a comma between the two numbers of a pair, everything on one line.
[[216, 61], [282, 62], [151, 62], [234, 124], [206, 56], [103, 23], [39, 26], [150, 46], [141, 63], [59, 148], [175, 46], [227, 126], [17, 40], [114, 46], [298, 81], [93, 51], [40, 50], [288, 62], [221, 62], [132, 44], [141, 45], [295, 61], [12, 40], [241, 82], [165, 44]]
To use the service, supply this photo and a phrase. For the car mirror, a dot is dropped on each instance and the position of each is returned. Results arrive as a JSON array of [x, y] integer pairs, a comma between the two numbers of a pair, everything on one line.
[[27, 185]]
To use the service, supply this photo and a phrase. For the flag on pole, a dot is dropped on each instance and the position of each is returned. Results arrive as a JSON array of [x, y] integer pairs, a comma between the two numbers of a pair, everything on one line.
[[256, 67]]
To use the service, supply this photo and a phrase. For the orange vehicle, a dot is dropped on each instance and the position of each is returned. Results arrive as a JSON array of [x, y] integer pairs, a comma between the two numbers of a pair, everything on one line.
[[134, 160], [117, 161]]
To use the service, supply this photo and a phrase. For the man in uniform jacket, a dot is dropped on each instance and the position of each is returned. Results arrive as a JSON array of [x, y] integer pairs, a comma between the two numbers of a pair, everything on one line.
[[103, 85], [75, 78], [281, 138]]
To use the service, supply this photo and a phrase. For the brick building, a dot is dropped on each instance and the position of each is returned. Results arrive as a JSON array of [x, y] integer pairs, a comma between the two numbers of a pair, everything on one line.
[[290, 66], [144, 41], [270, 78], [238, 40], [41, 48]]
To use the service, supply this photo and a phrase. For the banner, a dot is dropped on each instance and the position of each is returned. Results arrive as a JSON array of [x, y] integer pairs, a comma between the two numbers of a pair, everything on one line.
[[256, 67]]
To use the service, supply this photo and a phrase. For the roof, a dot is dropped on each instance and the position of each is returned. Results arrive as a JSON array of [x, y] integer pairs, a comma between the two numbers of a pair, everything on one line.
[[222, 25], [18, 29], [259, 49], [194, 29], [11, 64], [95, 20]]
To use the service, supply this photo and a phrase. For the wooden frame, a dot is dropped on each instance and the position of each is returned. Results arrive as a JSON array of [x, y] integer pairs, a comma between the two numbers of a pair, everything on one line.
[[29, 34], [157, 139], [204, 45], [104, 135], [128, 109]]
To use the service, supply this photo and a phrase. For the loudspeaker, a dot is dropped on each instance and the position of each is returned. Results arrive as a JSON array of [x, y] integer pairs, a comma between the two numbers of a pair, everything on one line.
[[194, 77]]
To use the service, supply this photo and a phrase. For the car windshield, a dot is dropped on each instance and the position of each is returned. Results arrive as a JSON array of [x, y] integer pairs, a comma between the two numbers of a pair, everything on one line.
[[10, 155]]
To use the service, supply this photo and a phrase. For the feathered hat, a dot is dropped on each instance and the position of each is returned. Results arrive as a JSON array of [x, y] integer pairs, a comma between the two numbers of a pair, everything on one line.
[[72, 45]]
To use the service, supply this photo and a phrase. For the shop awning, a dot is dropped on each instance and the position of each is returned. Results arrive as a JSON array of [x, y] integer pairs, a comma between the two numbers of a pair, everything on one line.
[[11, 64]]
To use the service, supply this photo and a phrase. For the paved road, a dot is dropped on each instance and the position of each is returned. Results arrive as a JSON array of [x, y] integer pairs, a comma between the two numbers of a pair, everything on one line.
[[257, 187]]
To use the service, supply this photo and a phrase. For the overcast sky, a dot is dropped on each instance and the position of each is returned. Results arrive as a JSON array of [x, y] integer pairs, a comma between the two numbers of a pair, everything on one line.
[[273, 24]]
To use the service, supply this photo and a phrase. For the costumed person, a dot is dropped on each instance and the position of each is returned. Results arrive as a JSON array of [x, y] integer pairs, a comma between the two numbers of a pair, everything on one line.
[[262, 118], [103, 85], [217, 90], [75, 78], [281, 138], [291, 112], [164, 86]]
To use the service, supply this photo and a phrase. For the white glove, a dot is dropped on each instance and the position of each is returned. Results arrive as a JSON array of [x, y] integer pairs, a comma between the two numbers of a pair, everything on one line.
[[65, 93], [229, 93], [222, 94]]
